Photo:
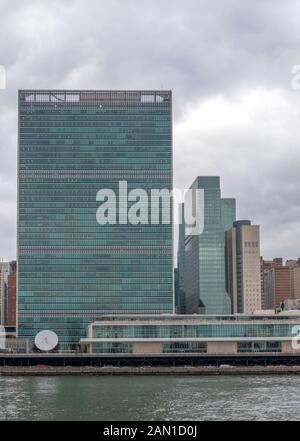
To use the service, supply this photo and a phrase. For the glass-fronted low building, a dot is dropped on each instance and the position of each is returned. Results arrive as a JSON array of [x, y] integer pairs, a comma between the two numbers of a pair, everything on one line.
[[71, 270], [224, 334]]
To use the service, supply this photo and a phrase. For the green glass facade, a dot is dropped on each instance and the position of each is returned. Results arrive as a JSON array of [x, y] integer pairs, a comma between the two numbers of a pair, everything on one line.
[[228, 212], [202, 318], [204, 275], [72, 270], [188, 330]]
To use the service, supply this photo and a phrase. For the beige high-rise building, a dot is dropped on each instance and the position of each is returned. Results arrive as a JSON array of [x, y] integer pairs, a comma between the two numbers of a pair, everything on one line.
[[243, 267], [295, 277], [295, 282]]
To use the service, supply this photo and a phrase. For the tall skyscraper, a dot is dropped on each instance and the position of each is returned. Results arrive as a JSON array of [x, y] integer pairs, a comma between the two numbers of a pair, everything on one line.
[[4, 272], [10, 300], [295, 275], [277, 284], [180, 290], [8, 293], [71, 270], [243, 267], [204, 276], [228, 212], [265, 265]]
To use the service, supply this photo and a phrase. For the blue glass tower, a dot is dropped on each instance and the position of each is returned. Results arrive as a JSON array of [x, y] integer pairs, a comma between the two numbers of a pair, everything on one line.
[[204, 275]]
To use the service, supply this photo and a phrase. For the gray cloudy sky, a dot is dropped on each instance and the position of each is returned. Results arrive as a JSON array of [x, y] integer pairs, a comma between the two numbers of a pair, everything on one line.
[[228, 63]]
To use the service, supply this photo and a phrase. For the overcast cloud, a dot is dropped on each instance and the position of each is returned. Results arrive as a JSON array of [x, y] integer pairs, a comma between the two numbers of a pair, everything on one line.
[[228, 63]]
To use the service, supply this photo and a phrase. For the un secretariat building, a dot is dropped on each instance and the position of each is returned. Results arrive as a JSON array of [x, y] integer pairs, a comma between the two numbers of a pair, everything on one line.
[[71, 270]]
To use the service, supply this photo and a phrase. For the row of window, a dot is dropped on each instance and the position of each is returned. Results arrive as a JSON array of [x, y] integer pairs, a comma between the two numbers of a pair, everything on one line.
[[187, 347], [210, 331]]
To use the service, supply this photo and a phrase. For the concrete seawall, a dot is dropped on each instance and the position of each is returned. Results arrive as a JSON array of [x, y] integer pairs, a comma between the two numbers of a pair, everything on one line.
[[97, 371]]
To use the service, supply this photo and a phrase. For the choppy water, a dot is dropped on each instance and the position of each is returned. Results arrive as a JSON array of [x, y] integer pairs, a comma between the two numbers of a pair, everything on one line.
[[150, 398]]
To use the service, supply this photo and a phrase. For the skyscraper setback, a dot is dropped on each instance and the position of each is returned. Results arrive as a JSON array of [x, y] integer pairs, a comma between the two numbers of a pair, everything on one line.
[[71, 269]]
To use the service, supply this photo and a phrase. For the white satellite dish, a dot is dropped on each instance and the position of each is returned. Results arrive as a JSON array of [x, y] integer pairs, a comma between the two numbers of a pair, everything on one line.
[[46, 340]]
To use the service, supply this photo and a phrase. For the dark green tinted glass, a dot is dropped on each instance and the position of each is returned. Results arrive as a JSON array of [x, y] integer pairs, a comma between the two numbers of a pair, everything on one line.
[[72, 270]]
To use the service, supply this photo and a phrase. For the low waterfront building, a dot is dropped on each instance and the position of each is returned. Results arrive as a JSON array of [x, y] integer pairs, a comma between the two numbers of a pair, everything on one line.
[[222, 334], [11, 345]]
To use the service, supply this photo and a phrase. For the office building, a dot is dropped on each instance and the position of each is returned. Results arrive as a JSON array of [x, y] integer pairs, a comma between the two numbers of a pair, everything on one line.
[[4, 271], [265, 265], [282, 282], [296, 282], [204, 275], [71, 270], [228, 212], [243, 267], [8, 293], [295, 278], [180, 290], [11, 297], [278, 286]]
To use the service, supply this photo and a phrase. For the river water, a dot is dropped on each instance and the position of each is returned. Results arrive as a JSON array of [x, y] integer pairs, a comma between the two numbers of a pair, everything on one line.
[[150, 398]]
